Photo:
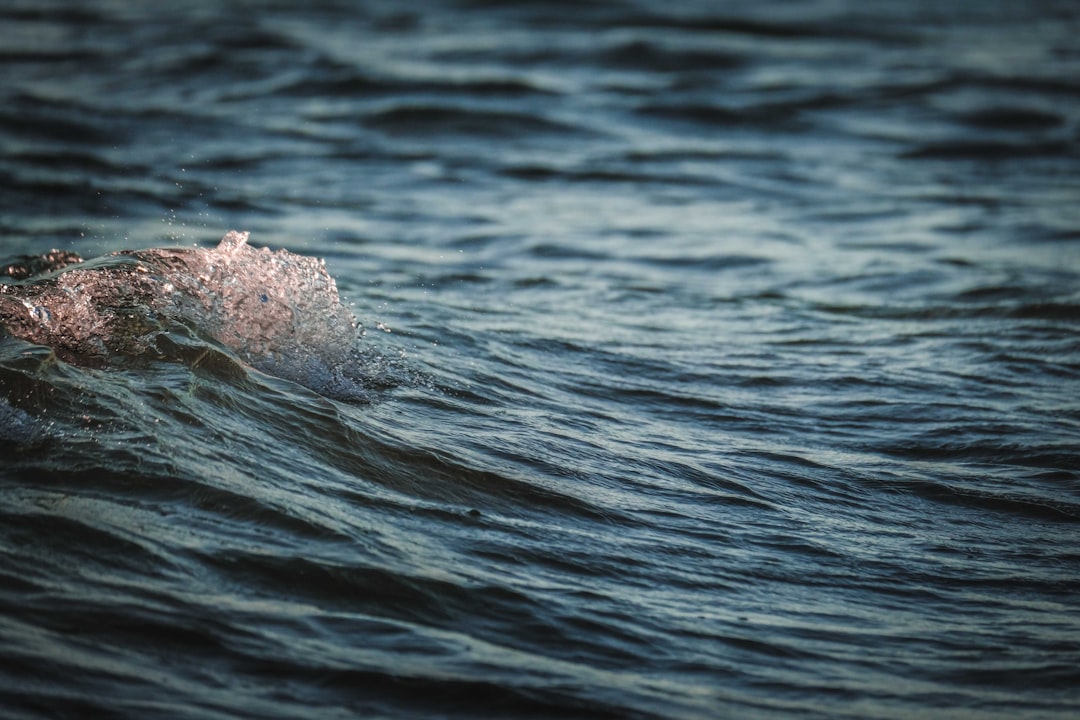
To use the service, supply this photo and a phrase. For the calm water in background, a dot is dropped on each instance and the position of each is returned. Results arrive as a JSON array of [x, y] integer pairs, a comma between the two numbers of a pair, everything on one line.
[[724, 362]]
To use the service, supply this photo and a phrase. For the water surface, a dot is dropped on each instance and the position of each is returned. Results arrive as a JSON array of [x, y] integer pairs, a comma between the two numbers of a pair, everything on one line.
[[714, 360]]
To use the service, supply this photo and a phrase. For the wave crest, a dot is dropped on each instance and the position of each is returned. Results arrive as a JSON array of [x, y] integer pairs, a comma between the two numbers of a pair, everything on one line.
[[277, 311]]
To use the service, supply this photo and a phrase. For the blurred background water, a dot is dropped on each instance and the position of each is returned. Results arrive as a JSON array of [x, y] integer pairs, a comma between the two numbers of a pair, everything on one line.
[[722, 362]]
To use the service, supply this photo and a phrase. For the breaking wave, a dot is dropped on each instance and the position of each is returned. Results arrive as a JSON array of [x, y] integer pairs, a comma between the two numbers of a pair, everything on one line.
[[276, 311]]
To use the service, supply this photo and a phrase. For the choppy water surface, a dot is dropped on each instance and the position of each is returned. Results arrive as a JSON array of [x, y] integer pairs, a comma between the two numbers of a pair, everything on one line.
[[713, 360]]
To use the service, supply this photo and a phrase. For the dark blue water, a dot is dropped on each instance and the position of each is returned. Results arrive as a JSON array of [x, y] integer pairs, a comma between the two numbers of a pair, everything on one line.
[[712, 360]]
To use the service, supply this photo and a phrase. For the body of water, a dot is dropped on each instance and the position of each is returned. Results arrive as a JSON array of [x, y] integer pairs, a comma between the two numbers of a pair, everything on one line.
[[693, 360]]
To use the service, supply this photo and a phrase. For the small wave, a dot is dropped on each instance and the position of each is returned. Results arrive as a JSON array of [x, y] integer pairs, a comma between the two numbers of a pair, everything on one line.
[[1010, 503], [347, 82], [1012, 118], [277, 311], [17, 427], [542, 173], [987, 150], [970, 308], [430, 119], [767, 29], [644, 55], [1047, 311], [37, 119], [779, 115]]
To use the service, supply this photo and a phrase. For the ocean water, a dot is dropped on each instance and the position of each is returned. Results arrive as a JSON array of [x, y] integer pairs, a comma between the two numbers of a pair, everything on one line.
[[692, 360]]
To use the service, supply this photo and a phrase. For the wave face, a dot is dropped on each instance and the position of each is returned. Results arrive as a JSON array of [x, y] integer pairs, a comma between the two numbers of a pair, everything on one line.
[[278, 311], [672, 359]]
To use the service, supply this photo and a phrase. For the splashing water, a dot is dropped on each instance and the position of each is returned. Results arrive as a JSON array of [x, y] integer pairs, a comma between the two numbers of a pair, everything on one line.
[[277, 311]]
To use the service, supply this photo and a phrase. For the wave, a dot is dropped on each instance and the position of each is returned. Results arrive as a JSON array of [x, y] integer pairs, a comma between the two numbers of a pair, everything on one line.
[[775, 115], [988, 150], [1012, 118], [437, 119], [276, 311], [335, 80]]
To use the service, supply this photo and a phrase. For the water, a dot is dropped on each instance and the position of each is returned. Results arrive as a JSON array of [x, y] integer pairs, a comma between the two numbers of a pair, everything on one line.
[[711, 360]]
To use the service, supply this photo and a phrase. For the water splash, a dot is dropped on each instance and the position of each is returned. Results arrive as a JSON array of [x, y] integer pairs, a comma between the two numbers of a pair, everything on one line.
[[277, 311]]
